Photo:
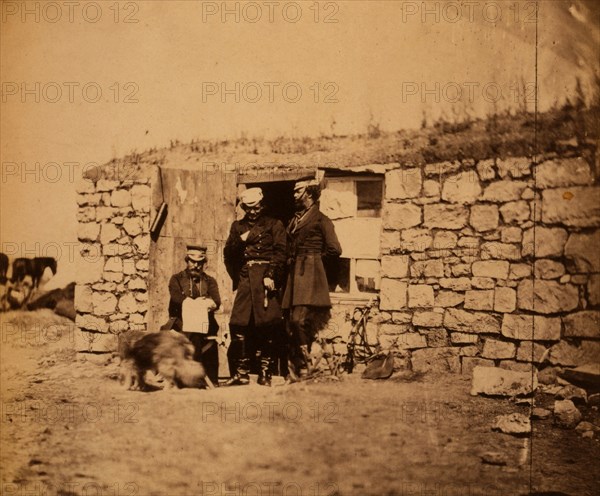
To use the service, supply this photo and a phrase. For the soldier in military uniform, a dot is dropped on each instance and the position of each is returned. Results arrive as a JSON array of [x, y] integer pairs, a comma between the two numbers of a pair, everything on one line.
[[255, 254], [313, 249], [194, 283]]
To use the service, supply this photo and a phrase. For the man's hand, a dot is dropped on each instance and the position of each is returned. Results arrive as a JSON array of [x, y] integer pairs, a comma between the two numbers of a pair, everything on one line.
[[269, 283]]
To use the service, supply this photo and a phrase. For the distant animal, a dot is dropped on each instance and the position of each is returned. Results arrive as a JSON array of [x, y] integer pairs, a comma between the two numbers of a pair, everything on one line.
[[21, 267], [3, 267], [33, 267], [168, 353], [39, 265]]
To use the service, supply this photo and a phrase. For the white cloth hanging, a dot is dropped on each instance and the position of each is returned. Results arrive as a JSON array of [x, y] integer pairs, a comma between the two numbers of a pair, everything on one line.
[[194, 313]]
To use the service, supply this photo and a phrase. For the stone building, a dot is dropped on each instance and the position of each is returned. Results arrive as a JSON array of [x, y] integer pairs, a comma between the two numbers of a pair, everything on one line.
[[471, 260]]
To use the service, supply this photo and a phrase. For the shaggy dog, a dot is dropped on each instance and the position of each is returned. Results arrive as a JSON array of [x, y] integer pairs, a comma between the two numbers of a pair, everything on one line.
[[168, 353]]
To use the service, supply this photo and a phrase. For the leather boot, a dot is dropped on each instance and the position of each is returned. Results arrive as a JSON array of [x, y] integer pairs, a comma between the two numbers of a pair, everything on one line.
[[241, 377], [264, 376]]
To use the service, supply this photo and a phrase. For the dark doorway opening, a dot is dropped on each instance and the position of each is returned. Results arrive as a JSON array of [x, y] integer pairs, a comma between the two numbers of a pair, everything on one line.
[[278, 199]]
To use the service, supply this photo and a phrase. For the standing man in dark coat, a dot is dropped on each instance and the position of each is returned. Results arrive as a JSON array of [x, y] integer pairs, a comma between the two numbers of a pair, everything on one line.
[[312, 246], [194, 283], [255, 254]]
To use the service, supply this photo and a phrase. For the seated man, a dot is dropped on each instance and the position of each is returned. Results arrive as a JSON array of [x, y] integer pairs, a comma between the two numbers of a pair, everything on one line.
[[194, 283]]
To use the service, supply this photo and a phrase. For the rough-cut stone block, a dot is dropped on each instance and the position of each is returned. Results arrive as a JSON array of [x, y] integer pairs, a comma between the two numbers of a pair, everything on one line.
[[401, 215], [445, 216], [548, 269], [415, 240], [86, 214], [112, 276], [431, 188], [497, 269], [549, 242], [517, 211], [531, 328], [93, 199], [137, 284], [395, 266], [486, 169], [427, 319], [584, 324], [501, 251], [577, 206], [142, 243], [85, 186], [495, 349], [479, 300], [83, 299], [427, 268], [113, 264], [390, 241], [470, 351], [105, 185], [143, 265], [581, 251], [547, 296], [562, 173], [140, 198], [129, 266], [516, 366], [97, 342], [120, 198], [515, 167], [91, 323], [511, 234], [401, 184], [461, 188], [469, 363], [88, 231], [571, 355], [393, 329], [392, 294], [104, 213], [473, 322], [132, 225], [483, 282], [456, 283], [438, 360], [593, 290], [104, 303], [529, 351], [410, 341], [504, 191], [441, 168], [484, 217], [444, 240], [519, 271], [459, 270], [463, 338], [420, 296], [128, 304], [505, 300], [495, 381], [401, 317], [448, 299], [109, 233], [436, 337]]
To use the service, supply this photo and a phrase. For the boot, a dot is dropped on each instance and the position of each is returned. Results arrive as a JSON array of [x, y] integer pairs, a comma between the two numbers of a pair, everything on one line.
[[264, 376], [307, 359], [241, 377]]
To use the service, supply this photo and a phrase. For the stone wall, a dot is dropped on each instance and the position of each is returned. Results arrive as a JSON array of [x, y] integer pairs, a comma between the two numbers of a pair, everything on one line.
[[482, 265], [113, 230]]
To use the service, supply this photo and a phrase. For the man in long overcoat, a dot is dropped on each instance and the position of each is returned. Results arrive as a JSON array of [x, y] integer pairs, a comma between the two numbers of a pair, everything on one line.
[[312, 247], [255, 254], [194, 283]]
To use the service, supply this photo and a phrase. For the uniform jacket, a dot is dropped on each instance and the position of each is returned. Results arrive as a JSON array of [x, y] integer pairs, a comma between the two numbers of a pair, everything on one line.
[[265, 244], [312, 245], [182, 286]]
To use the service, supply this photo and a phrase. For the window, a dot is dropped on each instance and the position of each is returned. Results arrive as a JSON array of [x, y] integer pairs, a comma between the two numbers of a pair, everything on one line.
[[354, 205]]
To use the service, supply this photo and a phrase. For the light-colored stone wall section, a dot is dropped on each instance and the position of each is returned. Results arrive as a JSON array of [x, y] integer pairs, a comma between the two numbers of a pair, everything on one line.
[[492, 263], [111, 292]]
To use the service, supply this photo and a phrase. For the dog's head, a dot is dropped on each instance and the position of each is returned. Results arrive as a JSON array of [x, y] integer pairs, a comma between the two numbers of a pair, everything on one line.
[[189, 373]]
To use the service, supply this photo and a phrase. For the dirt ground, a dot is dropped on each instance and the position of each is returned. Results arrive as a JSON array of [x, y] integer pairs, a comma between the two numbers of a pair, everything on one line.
[[68, 428]]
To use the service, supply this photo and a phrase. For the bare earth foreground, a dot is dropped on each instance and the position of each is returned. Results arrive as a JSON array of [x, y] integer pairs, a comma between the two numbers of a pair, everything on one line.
[[68, 428]]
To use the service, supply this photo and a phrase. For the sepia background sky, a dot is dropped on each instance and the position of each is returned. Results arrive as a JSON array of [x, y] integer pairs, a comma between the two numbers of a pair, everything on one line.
[[161, 78]]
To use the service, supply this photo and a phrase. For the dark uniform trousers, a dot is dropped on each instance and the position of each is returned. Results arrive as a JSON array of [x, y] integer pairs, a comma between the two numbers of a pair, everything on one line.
[[182, 286]]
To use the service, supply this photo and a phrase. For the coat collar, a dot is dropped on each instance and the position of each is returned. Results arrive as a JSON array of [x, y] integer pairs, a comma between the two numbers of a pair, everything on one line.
[[306, 218]]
